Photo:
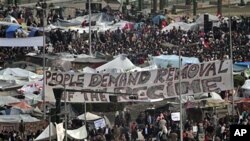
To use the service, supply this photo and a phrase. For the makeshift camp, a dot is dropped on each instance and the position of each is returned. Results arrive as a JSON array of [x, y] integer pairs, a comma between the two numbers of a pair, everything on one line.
[[165, 61]]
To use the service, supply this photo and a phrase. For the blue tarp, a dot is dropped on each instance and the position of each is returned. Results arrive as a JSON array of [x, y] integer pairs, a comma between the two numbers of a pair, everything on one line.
[[33, 33], [173, 60], [138, 25], [238, 68], [157, 19], [245, 64], [10, 32]]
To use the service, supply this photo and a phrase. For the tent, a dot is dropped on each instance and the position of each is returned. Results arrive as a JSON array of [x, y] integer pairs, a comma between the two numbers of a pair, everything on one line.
[[173, 60], [11, 19], [88, 70], [17, 118], [19, 75], [246, 88], [33, 33], [45, 134], [243, 64], [10, 32], [11, 111], [119, 64], [99, 18], [5, 100], [21, 105], [157, 19], [78, 134], [89, 117], [211, 18], [183, 26], [203, 100]]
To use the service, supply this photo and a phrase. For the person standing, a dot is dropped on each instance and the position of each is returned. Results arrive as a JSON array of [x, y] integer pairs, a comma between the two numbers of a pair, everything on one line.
[[107, 133]]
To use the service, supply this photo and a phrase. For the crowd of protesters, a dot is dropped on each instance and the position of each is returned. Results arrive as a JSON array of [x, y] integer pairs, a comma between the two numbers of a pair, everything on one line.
[[148, 39], [160, 127]]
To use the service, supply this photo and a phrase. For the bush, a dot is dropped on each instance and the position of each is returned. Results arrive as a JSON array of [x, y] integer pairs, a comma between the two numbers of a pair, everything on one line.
[[238, 80]]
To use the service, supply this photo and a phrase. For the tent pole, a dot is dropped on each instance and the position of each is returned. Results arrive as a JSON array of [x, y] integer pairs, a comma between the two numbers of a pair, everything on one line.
[[90, 48], [180, 62], [44, 105]]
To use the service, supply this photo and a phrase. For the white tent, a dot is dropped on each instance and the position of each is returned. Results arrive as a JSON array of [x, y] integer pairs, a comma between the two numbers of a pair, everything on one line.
[[4, 100], [246, 88], [138, 69], [120, 64], [89, 116], [88, 70], [211, 18], [246, 85], [45, 134], [17, 118], [11, 19], [78, 134], [213, 95], [19, 75], [173, 60], [184, 26]]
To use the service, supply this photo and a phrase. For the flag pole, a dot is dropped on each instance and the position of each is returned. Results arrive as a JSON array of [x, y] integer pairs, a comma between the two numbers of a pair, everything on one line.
[[90, 48], [180, 97], [231, 57]]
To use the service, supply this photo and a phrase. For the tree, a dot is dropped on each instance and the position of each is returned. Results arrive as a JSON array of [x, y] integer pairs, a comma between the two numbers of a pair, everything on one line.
[[239, 80]]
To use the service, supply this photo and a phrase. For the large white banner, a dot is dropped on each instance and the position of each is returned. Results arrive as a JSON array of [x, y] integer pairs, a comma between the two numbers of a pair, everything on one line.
[[21, 42], [147, 85]]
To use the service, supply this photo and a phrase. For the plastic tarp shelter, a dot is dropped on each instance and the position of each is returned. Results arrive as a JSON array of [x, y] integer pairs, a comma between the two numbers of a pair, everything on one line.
[[20, 75], [17, 118], [212, 18], [89, 117], [246, 85], [88, 70], [78, 134], [21, 105], [10, 32], [173, 60], [238, 68], [120, 64], [184, 26], [246, 88], [11, 111], [5, 100], [11, 19], [243, 64], [204, 101], [45, 134], [99, 18], [33, 32]]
